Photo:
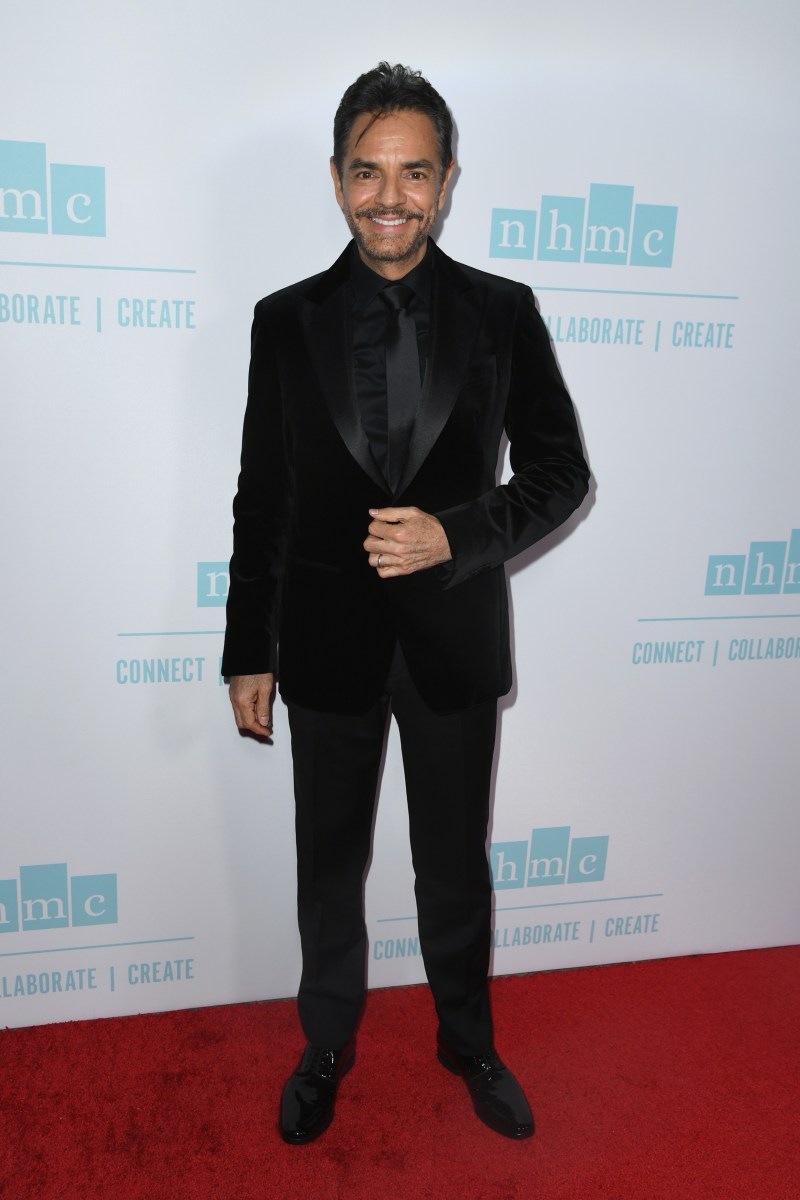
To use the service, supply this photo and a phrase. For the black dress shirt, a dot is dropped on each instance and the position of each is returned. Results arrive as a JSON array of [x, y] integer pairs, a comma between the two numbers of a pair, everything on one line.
[[369, 331]]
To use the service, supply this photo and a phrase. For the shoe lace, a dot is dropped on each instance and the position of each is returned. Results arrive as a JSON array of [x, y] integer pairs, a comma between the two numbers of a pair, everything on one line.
[[483, 1064], [317, 1060]]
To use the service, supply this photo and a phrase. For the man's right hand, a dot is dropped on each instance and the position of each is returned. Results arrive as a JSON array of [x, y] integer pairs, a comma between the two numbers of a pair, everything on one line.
[[251, 697]]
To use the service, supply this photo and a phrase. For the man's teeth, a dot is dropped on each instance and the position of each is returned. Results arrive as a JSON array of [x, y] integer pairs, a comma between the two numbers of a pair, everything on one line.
[[386, 221]]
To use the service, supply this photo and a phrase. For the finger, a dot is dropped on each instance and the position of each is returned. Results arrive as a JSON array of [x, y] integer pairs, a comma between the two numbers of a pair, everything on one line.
[[387, 532], [256, 730], [378, 545], [381, 561], [262, 706], [253, 713], [390, 571], [246, 719], [391, 552], [240, 714], [250, 724], [391, 515]]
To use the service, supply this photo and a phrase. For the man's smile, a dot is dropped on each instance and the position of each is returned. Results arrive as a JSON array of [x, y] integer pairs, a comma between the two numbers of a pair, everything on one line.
[[388, 220]]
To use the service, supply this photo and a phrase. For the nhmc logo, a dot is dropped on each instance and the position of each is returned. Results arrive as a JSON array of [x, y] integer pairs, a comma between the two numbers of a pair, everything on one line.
[[768, 569], [213, 580], [46, 898], [550, 857], [613, 230], [77, 194]]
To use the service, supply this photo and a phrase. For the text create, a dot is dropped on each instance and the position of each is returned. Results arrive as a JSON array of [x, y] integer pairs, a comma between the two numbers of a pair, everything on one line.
[[136, 312], [169, 970], [703, 335]]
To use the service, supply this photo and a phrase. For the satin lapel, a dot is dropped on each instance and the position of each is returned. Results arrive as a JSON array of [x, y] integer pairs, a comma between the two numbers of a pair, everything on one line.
[[455, 321], [328, 336]]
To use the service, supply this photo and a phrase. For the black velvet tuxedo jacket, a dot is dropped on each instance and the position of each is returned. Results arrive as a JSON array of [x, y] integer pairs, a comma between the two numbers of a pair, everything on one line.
[[301, 587]]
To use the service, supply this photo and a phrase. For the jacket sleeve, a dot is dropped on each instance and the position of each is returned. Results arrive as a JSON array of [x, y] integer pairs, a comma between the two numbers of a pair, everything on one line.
[[261, 510], [550, 474]]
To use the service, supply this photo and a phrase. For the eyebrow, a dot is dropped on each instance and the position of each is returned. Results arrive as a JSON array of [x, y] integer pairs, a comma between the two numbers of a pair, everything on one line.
[[360, 164]]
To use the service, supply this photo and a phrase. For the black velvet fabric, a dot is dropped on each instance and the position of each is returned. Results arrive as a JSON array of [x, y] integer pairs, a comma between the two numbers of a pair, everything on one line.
[[300, 578]]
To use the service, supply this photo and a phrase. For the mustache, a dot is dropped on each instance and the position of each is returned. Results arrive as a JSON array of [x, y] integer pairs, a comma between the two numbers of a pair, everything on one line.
[[389, 213]]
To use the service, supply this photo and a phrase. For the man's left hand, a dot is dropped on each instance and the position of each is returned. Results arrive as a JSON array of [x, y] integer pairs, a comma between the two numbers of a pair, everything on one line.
[[404, 540]]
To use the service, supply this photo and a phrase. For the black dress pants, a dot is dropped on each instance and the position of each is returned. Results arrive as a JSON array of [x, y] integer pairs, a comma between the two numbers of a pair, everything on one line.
[[447, 762]]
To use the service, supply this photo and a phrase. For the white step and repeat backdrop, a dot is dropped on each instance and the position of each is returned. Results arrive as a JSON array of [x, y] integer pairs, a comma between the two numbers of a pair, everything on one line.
[[163, 165]]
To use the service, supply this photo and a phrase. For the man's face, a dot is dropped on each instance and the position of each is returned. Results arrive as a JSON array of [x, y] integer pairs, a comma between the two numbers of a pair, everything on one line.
[[391, 188]]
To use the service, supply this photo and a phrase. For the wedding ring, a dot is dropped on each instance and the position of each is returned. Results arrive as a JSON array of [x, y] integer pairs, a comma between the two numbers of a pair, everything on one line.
[[378, 563]]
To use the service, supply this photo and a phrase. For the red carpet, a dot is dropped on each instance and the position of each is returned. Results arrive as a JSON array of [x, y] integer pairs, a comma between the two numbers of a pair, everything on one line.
[[676, 1078]]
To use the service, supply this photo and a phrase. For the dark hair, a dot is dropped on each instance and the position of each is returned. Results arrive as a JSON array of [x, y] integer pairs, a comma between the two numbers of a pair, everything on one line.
[[387, 89]]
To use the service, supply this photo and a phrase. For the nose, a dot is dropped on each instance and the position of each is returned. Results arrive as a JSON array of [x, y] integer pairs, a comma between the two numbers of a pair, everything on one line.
[[391, 192]]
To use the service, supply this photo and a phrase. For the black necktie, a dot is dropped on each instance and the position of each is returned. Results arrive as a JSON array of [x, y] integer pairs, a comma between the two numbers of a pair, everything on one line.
[[403, 388]]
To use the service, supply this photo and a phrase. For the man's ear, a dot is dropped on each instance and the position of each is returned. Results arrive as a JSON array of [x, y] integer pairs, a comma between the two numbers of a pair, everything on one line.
[[443, 188], [337, 183]]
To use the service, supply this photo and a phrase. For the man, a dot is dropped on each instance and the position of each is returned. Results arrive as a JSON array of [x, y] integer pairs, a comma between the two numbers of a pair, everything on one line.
[[369, 542]]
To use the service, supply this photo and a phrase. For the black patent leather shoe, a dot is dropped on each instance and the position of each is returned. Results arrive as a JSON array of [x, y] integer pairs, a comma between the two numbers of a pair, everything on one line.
[[307, 1103], [497, 1097]]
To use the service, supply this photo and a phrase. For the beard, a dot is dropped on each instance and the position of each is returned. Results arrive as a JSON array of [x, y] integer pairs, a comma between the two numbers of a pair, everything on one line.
[[380, 247]]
